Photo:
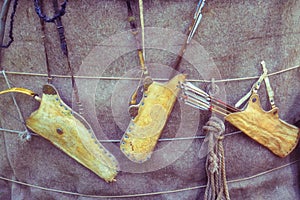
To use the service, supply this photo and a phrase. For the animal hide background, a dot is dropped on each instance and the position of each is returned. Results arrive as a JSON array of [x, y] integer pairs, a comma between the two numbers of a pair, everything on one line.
[[236, 36]]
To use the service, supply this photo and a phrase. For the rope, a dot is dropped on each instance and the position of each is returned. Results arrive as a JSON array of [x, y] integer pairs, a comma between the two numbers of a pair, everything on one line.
[[58, 13], [145, 194], [162, 79], [12, 131], [215, 163], [263, 173], [64, 48], [118, 141], [43, 31], [223, 171]]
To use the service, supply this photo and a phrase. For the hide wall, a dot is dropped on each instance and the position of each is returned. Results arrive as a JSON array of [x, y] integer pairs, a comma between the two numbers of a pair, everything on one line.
[[232, 39]]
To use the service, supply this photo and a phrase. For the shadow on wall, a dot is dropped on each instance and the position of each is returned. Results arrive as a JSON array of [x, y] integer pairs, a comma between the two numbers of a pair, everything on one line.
[[294, 112], [297, 123]]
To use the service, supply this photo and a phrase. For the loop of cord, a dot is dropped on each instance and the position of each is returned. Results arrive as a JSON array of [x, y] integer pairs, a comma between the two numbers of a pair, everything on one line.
[[215, 163]]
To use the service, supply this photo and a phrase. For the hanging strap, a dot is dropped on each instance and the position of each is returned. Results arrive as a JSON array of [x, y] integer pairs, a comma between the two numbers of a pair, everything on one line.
[[140, 42], [140, 47], [268, 86], [58, 13], [264, 77], [214, 129], [64, 48], [141, 7]]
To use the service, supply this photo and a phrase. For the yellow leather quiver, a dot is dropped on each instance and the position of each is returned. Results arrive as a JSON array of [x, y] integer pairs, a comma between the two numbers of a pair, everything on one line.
[[67, 130], [265, 127], [145, 128]]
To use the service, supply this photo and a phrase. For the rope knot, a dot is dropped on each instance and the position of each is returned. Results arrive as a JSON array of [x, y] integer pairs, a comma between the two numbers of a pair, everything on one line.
[[215, 162], [214, 126], [213, 88], [25, 136]]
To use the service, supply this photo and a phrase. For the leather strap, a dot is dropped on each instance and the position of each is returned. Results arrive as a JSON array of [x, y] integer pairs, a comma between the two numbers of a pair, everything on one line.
[[264, 77]]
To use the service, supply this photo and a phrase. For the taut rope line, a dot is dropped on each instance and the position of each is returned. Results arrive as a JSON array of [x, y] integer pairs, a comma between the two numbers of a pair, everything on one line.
[[150, 193], [137, 79], [118, 141]]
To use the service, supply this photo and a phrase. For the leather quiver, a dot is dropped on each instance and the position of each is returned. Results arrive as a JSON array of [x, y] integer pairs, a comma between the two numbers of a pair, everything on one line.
[[64, 128], [145, 128], [265, 127]]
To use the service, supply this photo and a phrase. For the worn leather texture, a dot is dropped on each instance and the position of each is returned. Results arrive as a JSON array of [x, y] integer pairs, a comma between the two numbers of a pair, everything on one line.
[[144, 130], [58, 123], [237, 35], [265, 127]]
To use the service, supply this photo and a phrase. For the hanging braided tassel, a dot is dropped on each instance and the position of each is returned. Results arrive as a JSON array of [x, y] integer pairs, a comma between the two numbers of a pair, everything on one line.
[[215, 163]]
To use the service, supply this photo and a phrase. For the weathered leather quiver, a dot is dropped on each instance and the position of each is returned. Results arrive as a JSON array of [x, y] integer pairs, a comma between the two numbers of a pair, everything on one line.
[[265, 127], [145, 128], [70, 132]]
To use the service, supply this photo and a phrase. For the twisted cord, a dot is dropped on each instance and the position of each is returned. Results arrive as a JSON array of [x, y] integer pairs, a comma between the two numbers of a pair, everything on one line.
[[215, 165], [224, 184]]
